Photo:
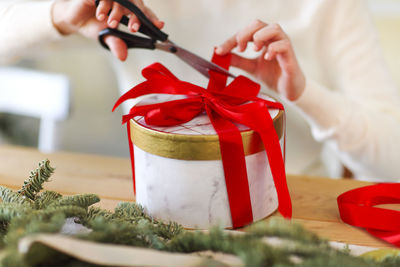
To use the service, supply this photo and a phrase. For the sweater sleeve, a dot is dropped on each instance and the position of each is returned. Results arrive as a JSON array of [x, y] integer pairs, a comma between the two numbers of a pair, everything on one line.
[[360, 116], [24, 24]]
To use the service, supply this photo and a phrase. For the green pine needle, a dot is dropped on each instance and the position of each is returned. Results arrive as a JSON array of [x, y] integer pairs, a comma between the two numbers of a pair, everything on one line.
[[44, 199], [83, 201], [34, 184], [11, 210], [9, 196]]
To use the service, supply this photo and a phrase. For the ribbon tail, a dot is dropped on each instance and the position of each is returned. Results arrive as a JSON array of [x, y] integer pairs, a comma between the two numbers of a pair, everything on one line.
[[257, 117], [277, 165], [232, 153], [234, 164], [128, 127]]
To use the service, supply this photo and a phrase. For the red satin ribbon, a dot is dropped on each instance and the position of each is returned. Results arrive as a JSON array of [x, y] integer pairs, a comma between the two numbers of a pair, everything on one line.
[[356, 207], [237, 102]]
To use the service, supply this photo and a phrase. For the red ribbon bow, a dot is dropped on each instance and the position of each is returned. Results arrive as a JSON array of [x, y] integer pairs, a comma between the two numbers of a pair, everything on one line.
[[356, 207], [237, 102]]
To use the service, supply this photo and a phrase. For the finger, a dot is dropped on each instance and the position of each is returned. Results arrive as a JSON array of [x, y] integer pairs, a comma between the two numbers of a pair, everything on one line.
[[246, 64], [283, 52], [243, 36], [153, 17], [134, 23], [266, 35], [226, 46], [246, 35], [139, 4], [282, 47], [115, 16], [117, 47], [103, 9]]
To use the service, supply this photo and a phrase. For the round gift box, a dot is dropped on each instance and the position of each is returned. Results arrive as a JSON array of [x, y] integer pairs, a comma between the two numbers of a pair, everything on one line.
[[180, 177]]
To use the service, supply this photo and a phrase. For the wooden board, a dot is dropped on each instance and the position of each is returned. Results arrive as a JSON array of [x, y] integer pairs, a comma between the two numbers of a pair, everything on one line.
[[314, 199]]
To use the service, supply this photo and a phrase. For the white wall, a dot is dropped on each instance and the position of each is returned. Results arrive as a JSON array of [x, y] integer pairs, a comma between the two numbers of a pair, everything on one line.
[[387, 17]]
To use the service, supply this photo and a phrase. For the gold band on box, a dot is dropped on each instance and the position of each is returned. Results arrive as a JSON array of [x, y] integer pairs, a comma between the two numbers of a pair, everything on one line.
[[194, 147]]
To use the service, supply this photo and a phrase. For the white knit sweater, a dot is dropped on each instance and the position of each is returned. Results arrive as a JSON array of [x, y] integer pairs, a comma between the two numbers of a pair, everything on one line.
[[350, 109]]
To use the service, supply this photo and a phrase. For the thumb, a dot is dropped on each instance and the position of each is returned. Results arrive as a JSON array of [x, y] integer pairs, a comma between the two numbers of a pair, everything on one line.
[[117, 47], [246, 64]]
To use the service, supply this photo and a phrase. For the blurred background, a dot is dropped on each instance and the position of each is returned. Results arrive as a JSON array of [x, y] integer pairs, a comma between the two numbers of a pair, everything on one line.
[[90, 126]]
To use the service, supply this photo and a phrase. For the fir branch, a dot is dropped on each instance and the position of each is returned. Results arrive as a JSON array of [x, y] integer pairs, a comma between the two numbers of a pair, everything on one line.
[[123, 233], [83, 201], [67, 210], [96, 212], [167, 230], [34, 184], [278, 227], [44, 199], [10, 210], [135, 213], [33, 223], [131, 210], [253, 251], [9, 196]]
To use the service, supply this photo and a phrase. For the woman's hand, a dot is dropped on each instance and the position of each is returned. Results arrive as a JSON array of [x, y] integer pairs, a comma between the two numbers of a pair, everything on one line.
[[117, 11], [277, 65], [72, 16]]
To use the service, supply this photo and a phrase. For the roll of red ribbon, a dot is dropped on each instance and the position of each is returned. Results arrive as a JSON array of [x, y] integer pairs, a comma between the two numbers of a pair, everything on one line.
[[356, 207]]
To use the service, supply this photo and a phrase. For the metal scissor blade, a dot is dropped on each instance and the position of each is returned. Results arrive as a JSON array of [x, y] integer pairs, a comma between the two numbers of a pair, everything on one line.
[[199, 63]]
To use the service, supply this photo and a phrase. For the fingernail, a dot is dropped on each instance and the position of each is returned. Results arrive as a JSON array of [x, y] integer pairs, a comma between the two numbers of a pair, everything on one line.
[[218, 50], [101, 17], [135, 27], [113, 24], [267, 56]]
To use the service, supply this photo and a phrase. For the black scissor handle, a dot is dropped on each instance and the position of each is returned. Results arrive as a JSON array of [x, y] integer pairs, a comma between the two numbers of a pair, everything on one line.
[[132, 41], [146, 27]]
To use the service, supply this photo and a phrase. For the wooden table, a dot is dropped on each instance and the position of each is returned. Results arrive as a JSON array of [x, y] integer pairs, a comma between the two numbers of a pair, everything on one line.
[[314, 199]]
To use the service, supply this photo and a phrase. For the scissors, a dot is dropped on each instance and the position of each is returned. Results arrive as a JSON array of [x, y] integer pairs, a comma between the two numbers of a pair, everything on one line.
[[157, 40]]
